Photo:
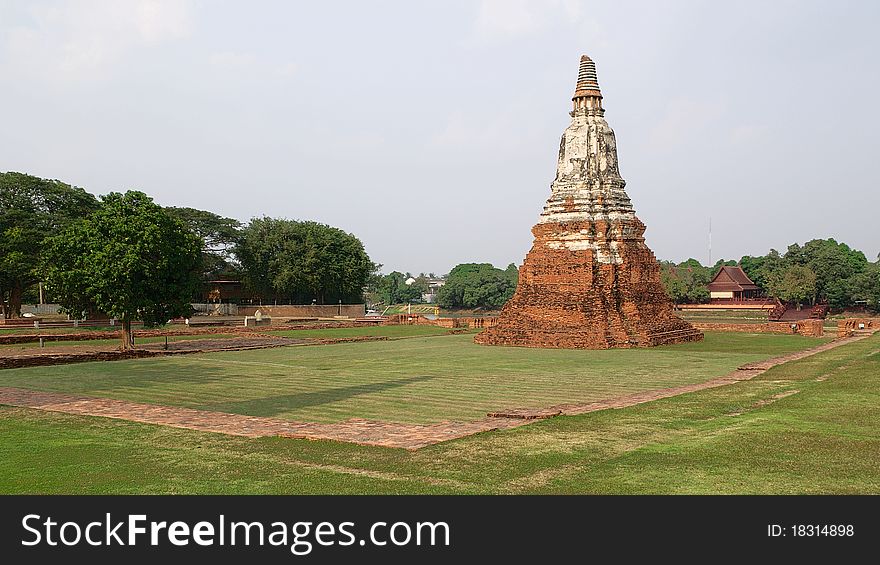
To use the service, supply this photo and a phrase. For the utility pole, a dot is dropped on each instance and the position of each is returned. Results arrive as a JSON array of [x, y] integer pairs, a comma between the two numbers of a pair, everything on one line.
[[710, 241]]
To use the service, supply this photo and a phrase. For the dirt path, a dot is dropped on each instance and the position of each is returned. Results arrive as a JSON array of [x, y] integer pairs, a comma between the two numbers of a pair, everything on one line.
[[359, 431]]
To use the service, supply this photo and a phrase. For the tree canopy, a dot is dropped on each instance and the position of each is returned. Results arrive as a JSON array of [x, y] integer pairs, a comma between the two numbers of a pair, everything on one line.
[[478, 285], [794, 283], [686, 282], [32, 208], [219, 237], [392, 288], [821, 270], [299, 262], [128, 259]]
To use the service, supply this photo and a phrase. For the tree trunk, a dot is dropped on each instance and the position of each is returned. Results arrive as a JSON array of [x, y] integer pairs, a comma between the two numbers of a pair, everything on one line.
[[126, 334], [14, 307]]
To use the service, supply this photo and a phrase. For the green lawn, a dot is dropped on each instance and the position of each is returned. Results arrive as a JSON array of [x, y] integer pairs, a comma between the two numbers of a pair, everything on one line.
[[387, 331], [417, 380], [733, 439]]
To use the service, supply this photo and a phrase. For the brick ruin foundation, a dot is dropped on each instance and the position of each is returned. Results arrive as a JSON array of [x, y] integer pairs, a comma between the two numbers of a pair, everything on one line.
[[452, 323], [851, 326], [809, 327], [589, 280]]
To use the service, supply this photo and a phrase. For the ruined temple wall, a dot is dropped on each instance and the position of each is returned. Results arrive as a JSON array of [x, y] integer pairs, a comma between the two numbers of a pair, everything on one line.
[[811, 328], [848, 326]]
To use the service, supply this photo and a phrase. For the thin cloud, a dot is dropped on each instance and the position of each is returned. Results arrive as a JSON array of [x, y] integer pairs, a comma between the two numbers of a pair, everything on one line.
[[69, 40], [508, 19]]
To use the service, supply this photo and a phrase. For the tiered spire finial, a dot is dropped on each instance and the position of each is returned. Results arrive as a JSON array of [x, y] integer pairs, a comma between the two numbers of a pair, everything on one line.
[[588, 82]]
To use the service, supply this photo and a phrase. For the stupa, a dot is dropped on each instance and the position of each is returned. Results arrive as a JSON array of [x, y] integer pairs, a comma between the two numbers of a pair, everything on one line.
[[589, 280]]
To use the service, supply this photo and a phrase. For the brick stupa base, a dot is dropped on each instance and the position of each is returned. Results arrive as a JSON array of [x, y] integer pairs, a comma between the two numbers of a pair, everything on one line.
[[567, 299]]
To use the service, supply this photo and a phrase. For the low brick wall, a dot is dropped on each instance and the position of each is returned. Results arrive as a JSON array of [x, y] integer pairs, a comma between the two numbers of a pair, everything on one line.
[[66, 358], [160, 332], [848, 326], [419, 320], [306, 311], [484, 322], [812, 328], [408, 320]]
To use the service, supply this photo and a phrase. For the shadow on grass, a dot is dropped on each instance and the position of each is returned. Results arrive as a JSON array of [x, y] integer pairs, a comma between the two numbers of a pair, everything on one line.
[[274, 405]]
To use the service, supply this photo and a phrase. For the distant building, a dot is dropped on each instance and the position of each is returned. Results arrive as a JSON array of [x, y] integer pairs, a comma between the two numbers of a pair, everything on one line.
[[732, 284], [409, 281], [222, 291], [433, 288]]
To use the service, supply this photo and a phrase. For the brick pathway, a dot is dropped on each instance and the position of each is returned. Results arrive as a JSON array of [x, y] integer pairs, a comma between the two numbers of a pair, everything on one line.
[[355, 430]]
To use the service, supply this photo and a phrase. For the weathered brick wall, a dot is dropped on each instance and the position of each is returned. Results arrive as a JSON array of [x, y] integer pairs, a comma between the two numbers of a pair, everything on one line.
[[160, 332], [63, 359], [482, 322], [419, 320], [848, 326], [813, 328], [578, 298], [408, 320]]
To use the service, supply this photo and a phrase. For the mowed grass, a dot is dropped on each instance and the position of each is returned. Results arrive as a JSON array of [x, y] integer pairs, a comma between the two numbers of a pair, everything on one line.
[[416, 380], [377, 331], [740, 438]]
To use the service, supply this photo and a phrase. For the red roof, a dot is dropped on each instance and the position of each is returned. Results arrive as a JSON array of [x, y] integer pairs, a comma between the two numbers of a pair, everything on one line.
[[731, 279]]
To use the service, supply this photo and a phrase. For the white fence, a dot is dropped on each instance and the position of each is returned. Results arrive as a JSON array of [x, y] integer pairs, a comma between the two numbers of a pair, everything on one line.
[[40, 309], [215, 309]]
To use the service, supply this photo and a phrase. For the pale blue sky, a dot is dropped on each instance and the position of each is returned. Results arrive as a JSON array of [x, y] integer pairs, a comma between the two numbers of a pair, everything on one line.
[[430, 130]]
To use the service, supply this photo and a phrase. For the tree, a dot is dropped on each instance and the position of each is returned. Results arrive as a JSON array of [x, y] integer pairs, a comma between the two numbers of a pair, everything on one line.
[[795, 283], [686, 283], [219, 236], [31, 209], [761, 269], [865, 286], [303, 261], [832, 263], [393, 289], [477, 285], [129, 259]]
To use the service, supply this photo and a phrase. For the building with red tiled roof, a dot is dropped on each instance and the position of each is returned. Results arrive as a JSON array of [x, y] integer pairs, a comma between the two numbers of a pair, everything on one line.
[[732, 283]]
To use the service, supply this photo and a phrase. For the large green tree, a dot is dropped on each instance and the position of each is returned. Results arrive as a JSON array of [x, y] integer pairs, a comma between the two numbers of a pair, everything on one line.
[[478, 285], [833, 264], [392, 289], [303, 261], [31, 209], [219, 237], [795, 283], [129, 259], [761, 268], [686, 282], [864, 287]]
